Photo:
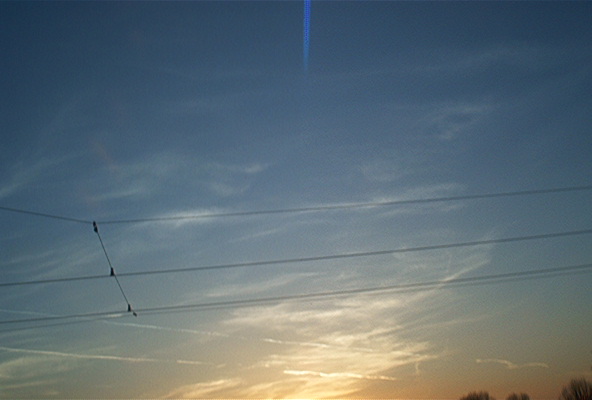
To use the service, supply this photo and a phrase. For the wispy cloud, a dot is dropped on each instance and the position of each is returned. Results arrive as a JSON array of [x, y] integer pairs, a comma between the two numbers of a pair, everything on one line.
[[98, 357], [22, 366], [426, 192], [154, 173], [331, 348], [348, 347], [383, 170], [215, 334], [274, 283], [259, 234], [511, 365], [26, 172], [243, 169], [204, 333], [32, 261], [184, 217], [339, 375], [422, 192], [231, 179], [519, 55], [315, 344], [28, 374], [169, 329], [450, 121], [135, 178], [210, 389]]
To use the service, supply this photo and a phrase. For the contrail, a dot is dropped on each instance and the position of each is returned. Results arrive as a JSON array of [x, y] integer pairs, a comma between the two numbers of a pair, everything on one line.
[[168, 329], [306, 41], [100, 357]]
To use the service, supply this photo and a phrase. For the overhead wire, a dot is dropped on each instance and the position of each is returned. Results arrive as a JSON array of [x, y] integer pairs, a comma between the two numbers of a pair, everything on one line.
[[362, 254], [281, 261], [351, 205], [65, 317], [54, 280], [399, 288], [45, 215], [308, 209], [305, 259], [63, 323]]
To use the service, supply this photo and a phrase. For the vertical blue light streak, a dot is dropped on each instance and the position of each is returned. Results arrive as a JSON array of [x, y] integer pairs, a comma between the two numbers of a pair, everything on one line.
[[306, 41]]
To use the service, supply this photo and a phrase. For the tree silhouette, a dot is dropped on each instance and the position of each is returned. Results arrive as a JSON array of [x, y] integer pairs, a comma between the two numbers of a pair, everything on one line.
[[578, 389], [518, 396], [477, 396]]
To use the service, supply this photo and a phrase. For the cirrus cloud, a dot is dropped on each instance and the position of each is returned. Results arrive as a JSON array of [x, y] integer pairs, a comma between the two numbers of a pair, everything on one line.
[[511, 365]]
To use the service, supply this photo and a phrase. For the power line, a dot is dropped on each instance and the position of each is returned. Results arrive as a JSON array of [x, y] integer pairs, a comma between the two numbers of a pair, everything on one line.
[[313, 258], [39, 214], [362, 254], [64, 317], [310, 209], [63, 323], [352, 205], [400, 288], [55, 280]]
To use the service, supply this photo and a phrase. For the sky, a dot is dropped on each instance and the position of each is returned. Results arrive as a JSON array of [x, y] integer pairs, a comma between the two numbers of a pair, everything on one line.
[[132, 114]]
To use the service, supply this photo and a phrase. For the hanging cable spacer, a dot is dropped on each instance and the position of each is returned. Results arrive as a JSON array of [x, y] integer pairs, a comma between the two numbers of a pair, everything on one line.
[[130, 309], [95, 227]]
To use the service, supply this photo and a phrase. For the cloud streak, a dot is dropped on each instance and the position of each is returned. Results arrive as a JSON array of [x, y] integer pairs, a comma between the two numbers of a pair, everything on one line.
[[336, 347], [339, 375], [511, 365], [99, 357], [24, 174], [340, 358], [154, 174], [204, 389]]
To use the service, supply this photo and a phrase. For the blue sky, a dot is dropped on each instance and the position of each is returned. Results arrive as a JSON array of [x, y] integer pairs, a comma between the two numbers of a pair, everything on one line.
[[138, 110]]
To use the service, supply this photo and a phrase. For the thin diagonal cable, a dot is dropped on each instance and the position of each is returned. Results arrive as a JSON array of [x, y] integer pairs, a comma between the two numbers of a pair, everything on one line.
[[39, 214], [308, 259], [400, 288], [352, 205], [112, 273]]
